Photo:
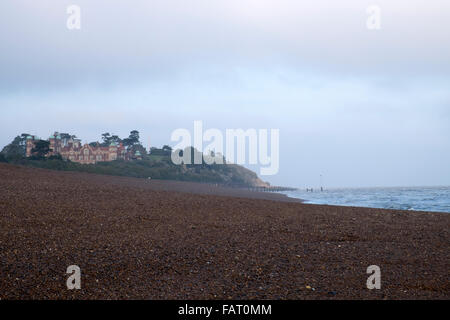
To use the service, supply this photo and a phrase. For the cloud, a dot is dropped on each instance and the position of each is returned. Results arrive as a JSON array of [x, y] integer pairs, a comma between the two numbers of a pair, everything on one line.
[[347, 100], [154, 40]]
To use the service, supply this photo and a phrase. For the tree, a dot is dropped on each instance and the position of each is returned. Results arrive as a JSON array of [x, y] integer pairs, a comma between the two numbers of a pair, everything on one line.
[[167, 149], [115, 139], [106, 139], [41, 149], [133, 139], [17, 148], [138, 147], [134, 136]]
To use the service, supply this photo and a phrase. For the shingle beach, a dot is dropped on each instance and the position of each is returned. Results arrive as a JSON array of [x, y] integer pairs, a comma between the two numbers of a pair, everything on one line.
[[147, 239]]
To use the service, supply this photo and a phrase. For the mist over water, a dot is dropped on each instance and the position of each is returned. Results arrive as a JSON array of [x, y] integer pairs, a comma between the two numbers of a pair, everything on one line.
[[401, 198]]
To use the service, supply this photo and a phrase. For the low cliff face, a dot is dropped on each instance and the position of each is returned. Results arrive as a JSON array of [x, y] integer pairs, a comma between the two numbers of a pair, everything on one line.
[[248, 177]]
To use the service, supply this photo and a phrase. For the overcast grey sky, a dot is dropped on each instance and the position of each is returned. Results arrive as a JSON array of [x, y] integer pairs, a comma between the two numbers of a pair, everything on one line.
[[361, 107]]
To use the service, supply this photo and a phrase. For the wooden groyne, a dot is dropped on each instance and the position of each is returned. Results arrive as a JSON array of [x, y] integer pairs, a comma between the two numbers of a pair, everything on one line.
[[271, 189]]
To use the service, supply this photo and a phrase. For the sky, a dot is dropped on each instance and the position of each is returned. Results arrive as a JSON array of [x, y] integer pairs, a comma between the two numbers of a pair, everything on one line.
[[360, 107]]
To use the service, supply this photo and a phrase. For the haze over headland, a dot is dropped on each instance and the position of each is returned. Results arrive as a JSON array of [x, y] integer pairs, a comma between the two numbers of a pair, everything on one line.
[[360, 107]]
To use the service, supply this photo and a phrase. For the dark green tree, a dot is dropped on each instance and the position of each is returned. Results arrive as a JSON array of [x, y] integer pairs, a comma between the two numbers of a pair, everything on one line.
[[134, 136], [138, 147], [17, 148], [115, 139], [133, 139], [41, 149], [167, 149], [106, 137]]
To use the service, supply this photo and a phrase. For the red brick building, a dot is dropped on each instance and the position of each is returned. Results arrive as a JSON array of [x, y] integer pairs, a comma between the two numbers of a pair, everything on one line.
[[71, 149]]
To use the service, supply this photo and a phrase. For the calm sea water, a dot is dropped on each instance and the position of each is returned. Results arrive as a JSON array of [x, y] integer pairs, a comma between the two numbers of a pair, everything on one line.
[[406, 198]]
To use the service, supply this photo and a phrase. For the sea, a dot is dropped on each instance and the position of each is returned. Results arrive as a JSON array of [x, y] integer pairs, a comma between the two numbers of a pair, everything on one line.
[[400, 198]]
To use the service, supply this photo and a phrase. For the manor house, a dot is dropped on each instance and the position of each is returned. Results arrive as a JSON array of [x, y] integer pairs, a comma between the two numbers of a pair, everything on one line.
[[71, 149]]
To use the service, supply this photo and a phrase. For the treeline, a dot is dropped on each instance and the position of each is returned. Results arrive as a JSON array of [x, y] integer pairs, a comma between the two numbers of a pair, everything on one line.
[[156, 166]]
